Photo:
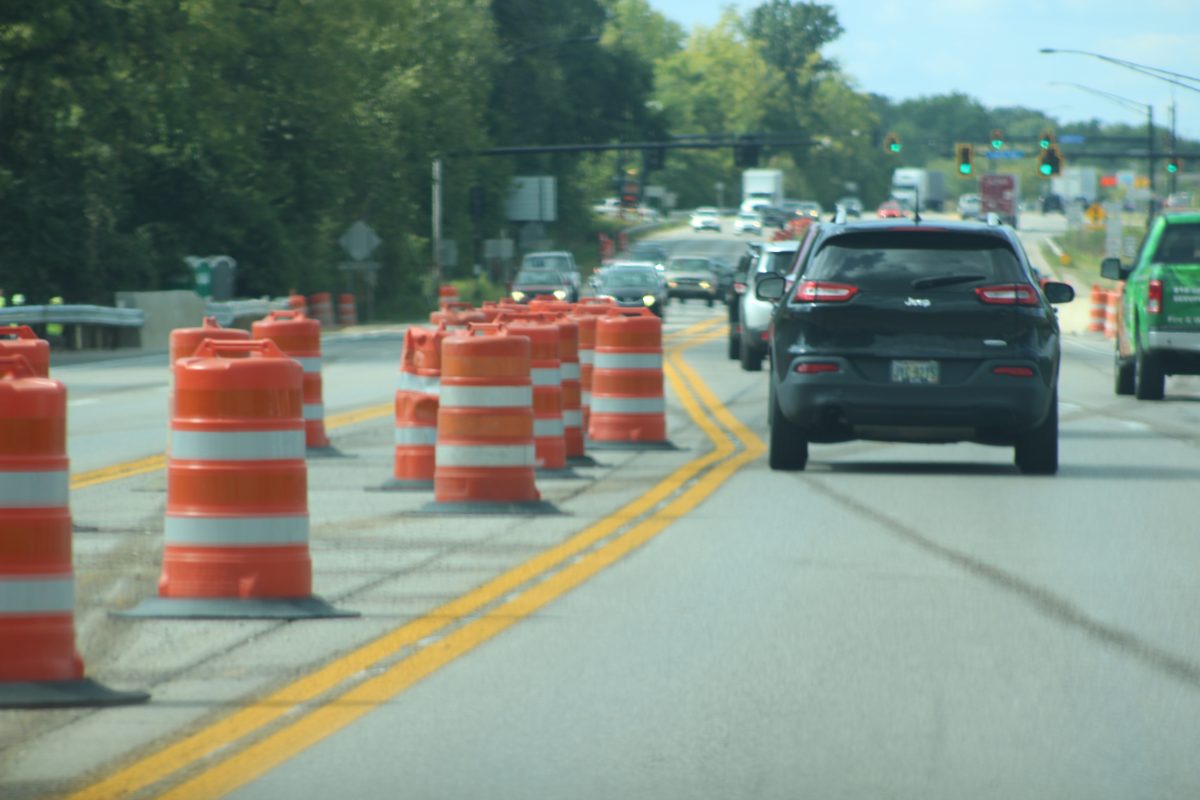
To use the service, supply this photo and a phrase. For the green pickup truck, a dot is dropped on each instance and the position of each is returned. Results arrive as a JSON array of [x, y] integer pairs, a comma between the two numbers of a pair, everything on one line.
[[1158, 331]]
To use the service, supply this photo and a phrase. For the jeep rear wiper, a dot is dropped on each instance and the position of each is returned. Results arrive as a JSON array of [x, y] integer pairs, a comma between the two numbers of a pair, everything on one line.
[[945, 280]]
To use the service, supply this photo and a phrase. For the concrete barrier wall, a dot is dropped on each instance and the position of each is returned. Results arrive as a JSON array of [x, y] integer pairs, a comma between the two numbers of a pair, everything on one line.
[[164, 311]]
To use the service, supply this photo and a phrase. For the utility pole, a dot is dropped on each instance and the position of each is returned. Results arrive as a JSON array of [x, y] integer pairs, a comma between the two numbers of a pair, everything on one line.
[[437, 227], [1174, 175]]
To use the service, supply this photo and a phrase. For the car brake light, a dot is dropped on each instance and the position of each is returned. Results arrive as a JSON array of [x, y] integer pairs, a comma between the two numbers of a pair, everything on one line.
[[765, 336], [823, 292], [814, 367], [1009, 294], [739, 288], [1016, 372], [1154, 297]]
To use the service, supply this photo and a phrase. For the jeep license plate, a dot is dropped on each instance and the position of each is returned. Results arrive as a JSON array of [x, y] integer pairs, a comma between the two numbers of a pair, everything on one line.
[[914, 371]]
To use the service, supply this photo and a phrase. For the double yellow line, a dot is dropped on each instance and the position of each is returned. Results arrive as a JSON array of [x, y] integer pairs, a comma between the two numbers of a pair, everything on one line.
[[255, 739]]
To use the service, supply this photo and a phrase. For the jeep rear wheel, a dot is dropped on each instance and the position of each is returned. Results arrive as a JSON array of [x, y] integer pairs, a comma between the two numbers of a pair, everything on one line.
[[1037, 450], [787, 446]]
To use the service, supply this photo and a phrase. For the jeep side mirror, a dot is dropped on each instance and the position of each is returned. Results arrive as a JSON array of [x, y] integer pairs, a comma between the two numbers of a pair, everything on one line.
[[1111, 268], [1057, 292], [770, 287]]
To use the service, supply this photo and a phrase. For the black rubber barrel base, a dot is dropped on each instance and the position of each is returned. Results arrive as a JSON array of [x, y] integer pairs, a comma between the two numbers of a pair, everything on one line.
[[234, 608], [65, 694]]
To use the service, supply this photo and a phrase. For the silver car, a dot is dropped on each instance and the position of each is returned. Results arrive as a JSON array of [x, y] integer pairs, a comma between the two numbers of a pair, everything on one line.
[[775, 258]]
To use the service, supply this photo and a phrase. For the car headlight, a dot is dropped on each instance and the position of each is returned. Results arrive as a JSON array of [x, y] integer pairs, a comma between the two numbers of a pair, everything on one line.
[[518, 296], [560, 294], [705, 285], [649, 299]]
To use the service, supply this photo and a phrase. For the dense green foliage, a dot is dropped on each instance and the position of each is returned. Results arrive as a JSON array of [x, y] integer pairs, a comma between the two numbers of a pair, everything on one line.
[[136, 132]]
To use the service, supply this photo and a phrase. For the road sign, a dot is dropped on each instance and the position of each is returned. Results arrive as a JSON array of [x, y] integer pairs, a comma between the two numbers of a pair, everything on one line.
[[1072, 138], [1005, 154], [359, 241]]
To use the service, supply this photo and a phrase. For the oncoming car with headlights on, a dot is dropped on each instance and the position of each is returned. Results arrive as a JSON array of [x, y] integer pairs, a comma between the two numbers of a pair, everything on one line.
[[693, 276], [633, 284], [533, 282]]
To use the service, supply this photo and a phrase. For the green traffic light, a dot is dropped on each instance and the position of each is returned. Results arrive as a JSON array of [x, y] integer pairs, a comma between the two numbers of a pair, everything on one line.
[[1172, 167], [965, 169], [1045, 144], [1045, 169], [894, 147], [997, 144]]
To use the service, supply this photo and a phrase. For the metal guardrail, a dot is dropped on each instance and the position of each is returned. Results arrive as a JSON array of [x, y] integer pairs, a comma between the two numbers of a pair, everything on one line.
[[227, 313], [73, 315]]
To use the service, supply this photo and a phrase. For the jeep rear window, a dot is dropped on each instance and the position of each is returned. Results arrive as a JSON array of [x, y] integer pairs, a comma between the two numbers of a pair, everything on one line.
[[893, 260], [1179, 244]]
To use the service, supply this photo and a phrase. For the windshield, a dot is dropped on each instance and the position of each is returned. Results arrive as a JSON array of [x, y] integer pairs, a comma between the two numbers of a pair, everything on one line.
[[547, 262], [628, 278], [689, 265], [539, 276], [903, 261]]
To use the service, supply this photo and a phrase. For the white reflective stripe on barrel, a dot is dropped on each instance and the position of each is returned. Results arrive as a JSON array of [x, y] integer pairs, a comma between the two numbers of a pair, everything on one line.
[[236, 531], [422, 435], [37, 595], [408, 382], [314, 412], [570, 371], [485, 455], [628, 360], [237, 445], [573, 418], [628, 405], [545, 376], [585, 399], [34, 489], [310, 363], [543, 428], [487, 397], [587, 356]]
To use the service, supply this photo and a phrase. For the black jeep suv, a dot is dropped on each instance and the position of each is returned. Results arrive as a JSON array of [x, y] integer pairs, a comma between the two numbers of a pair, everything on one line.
[[915, 332]]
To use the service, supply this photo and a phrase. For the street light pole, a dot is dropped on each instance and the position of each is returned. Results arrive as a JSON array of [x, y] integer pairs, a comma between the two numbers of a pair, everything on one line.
[[1149, 109]]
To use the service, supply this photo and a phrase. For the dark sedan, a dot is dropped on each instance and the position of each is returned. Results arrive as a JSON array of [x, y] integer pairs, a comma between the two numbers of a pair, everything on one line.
[[899, 331], [634, 285]]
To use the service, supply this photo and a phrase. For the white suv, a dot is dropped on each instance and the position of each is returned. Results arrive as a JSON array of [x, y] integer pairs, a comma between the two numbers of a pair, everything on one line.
[[775, 258]]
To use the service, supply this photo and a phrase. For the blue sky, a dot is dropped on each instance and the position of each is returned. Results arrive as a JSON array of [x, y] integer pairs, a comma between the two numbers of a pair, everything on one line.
[[909, 48]]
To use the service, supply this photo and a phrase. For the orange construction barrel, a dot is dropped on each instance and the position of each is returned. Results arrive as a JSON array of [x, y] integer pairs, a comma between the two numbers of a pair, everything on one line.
[[236, 531], [628, 406], [485, 448], [417, 387], [39, 665], [299, 337], [20, 340]]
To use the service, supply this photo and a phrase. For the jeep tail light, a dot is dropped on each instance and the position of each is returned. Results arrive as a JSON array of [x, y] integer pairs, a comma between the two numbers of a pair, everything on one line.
[[815, 367], [1016, 372], [1154, 297], [739, 287], [1008, 294], [824, 292]]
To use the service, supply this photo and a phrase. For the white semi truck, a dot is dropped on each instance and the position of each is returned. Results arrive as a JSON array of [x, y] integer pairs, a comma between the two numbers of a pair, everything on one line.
[[919, 189]]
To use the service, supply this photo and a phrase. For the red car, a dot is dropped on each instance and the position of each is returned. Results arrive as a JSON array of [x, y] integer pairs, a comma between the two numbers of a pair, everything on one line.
[[890, 209]]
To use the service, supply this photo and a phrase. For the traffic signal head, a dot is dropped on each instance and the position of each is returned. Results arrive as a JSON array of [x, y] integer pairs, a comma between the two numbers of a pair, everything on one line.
[[965, 155], [654, 158], [745, 155], [891, 143], [1050, 162], [997, 139]]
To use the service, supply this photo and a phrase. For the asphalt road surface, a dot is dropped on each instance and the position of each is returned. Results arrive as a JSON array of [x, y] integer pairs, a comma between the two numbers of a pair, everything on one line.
[[905, 621]]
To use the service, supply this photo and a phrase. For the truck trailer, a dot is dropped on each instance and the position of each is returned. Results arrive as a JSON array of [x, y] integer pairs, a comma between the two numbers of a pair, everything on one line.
[[1000, 194], [761, 187], [919, 189]]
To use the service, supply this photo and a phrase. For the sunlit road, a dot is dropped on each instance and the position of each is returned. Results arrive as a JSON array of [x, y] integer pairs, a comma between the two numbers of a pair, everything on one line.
[[896, 621]]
